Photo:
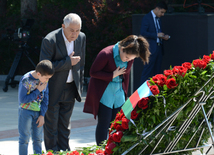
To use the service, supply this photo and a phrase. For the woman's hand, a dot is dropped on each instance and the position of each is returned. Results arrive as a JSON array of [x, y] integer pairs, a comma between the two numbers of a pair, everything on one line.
[[119, 71]]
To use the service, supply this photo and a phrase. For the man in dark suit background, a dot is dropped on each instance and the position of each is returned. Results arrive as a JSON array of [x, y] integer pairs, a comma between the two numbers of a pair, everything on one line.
[[65, 48], [151, 30]]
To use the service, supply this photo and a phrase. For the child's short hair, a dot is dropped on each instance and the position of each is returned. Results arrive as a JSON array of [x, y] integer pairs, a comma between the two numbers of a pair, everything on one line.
[[45, 67]]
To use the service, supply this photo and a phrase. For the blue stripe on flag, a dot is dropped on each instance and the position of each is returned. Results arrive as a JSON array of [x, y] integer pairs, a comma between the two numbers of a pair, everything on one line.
[[144, 90]]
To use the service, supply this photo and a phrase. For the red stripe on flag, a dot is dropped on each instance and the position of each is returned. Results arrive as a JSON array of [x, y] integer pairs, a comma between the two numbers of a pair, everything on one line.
[[134, 98]]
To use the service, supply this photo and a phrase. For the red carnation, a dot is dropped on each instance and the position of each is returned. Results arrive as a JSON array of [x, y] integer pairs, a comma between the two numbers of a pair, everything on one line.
[[171, 83], [110, 138], [148, 84], [117, 116], [175, 70], [143, 103], [162, 79], [199, 63], [212, 56], [155, 79], [134, 114], [182, 71], [159, 79], [168, 73], [154, 89], [125, 123], [187, 65], [116, 124], [99, 151], [179, 70], [206, 58], [120, 115], [119, 128], [74, 153], [117, 136], [110, 147]]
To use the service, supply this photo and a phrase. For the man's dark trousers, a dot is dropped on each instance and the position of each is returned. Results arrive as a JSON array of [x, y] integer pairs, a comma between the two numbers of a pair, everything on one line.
[[154, 66], [60, 114]]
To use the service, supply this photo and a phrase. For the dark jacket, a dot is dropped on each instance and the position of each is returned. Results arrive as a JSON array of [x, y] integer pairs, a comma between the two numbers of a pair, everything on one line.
[[101, 73], [148, 30], [53, 48]]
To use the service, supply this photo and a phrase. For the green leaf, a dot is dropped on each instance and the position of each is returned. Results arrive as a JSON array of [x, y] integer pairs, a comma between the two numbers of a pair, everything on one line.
[[156, 111], [165, 88], [127, 138], [204, 72], [153, 118]]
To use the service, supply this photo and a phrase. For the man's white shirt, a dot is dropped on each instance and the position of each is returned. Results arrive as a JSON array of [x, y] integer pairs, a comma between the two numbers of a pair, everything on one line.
[[153, 14], [70, 49]]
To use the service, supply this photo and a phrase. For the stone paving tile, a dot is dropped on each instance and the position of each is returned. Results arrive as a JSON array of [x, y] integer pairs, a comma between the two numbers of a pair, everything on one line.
[[74, 124], [79, 137]]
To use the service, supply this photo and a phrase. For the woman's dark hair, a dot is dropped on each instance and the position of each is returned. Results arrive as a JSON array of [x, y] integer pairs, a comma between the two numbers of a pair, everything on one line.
[[45, 67], [136, 45]]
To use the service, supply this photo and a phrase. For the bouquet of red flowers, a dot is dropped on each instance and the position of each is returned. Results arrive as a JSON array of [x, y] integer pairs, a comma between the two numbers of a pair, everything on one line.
[[170, 91]]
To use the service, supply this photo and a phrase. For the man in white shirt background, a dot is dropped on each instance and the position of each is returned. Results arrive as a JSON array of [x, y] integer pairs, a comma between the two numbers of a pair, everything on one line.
[[151, 30]]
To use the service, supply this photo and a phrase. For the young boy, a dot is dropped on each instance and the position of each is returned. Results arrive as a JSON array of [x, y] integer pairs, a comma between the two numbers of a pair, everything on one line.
[[33, 103]]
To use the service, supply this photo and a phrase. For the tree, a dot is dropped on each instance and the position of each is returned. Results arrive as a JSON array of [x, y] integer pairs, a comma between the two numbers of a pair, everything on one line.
[[3, 7], [28, 8]]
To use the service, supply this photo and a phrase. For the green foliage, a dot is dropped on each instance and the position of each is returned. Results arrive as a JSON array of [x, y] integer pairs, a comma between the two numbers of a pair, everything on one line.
[[183, 94], [104, 23], [13, 7], [91, 150]]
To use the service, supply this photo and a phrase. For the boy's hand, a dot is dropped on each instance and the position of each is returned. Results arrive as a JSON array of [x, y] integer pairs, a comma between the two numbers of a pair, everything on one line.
[[41, 86], [40, 121]]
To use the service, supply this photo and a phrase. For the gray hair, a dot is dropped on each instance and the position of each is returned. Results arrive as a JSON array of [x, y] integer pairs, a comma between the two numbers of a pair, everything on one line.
[[72, 18]]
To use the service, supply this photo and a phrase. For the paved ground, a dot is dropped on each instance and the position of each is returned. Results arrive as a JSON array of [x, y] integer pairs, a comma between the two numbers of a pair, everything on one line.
[[82, 124], [82, 129]]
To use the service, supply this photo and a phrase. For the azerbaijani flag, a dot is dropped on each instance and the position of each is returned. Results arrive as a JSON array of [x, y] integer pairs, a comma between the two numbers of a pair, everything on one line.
[[129, 105]]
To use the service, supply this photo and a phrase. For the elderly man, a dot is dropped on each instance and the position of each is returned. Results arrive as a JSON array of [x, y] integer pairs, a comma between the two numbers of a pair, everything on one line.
[[65, 48]]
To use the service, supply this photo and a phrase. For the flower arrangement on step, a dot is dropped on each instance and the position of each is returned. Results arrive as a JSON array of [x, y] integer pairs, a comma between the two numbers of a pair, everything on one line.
[[92, 150], [169, 91]]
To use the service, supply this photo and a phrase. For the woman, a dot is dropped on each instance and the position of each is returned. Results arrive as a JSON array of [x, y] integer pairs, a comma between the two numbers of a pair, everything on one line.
[[109, 81]]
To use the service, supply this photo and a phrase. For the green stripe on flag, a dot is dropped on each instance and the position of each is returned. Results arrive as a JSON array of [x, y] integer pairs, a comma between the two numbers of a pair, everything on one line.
[[130, 104], [127, 109]]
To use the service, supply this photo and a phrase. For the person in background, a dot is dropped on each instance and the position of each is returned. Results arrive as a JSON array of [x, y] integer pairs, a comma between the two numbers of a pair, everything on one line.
[[151, 30], [108, 85], [33, 103], [65, 48]]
